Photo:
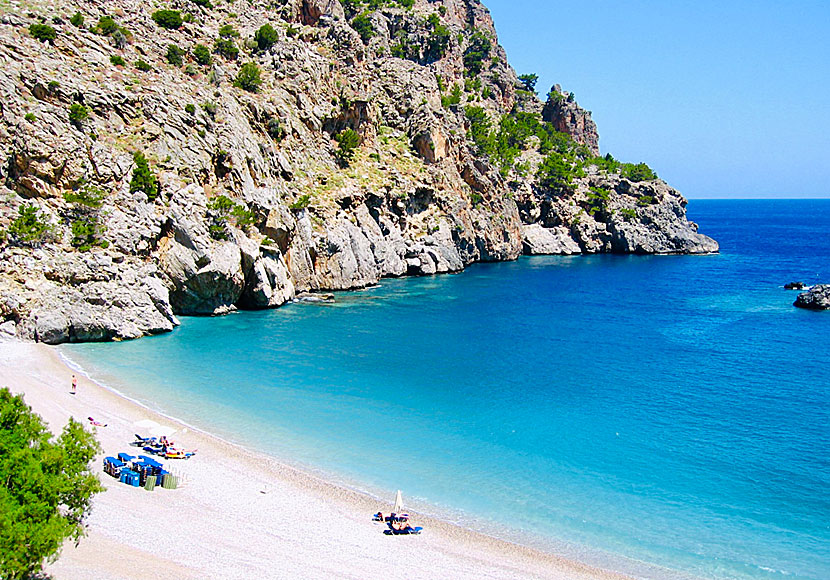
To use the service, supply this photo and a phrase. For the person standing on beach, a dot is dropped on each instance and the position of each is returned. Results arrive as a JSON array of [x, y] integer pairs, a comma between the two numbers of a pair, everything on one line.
[[74, 384]]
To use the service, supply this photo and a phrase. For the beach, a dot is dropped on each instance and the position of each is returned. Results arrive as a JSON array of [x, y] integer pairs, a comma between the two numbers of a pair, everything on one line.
[[241, 514]]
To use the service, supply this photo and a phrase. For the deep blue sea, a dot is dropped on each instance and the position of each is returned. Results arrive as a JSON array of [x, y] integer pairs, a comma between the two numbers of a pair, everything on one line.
[[667, 410]]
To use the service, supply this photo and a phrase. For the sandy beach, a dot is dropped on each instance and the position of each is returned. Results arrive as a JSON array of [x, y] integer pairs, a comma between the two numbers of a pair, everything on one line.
[[241, 514]]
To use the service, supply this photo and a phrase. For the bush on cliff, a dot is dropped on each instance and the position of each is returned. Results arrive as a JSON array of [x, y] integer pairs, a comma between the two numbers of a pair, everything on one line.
[[175, 55], [143, 179], [29, 227], [265, 37], [438, 41], [347, 142], [226, 47], [201, 54], [220, 210], [46, 487], [529, 82], [249, 77], [638, 172], [228, 31], [168, 19], [363, 26], [77, 20], [477, 51], [78, 114], [84, 217], [43, 33]]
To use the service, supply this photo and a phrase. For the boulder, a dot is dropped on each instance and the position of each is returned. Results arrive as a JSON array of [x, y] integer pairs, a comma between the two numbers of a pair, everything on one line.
[[816, 298], [795, 286], [538, 240]]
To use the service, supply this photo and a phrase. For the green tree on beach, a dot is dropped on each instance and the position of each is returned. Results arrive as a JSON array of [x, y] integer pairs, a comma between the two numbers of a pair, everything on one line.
[[46, 487]]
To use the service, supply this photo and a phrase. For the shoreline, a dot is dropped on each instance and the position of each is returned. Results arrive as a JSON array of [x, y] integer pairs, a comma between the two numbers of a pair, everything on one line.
[[241, 512]]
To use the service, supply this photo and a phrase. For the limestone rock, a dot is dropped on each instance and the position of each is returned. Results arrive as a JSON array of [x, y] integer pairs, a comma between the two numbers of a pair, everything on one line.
[[537, 239], [816, 298], [568, 117]]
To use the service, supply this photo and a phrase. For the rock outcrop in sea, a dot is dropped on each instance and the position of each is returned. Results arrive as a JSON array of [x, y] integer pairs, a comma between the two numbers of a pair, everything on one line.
[[816, 298], [189, 158]]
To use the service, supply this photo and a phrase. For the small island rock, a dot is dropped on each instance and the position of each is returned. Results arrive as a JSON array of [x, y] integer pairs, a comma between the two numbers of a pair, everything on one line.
[[817, 298]]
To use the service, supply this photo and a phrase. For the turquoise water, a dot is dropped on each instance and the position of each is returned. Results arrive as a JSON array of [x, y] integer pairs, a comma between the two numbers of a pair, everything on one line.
[[667, 410]]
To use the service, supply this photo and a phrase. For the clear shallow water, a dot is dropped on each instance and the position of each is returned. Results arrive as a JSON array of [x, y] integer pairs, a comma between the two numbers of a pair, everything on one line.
[[670, 410]]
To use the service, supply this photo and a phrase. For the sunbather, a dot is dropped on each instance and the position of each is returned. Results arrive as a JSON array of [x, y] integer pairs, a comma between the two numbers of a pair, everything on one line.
[[96, 423]]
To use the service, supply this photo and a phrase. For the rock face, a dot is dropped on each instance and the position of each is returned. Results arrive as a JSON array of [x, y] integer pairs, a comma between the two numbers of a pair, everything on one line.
[[563, 113], [816, 298], [257, 198]]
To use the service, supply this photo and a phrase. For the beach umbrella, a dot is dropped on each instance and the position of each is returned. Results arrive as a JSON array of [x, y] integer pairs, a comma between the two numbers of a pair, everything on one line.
[[398, 503], [162, 431]]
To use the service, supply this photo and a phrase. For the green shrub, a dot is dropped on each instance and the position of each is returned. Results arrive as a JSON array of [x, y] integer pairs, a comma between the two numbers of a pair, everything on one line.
[[143, 179], [228, 31], [265, 37], [347, 141], [29, 227], [201, 54], [226, 47], [480, 130], [363, 26], [454, 97], [168, 19], [628, 213], [248, 78], [117, 60], [190, 109], [46, 488], [556, 174], [529, 82], [645, 200], [106, 25], [87, 231], [30, 117], [78, 114], [477, 51], [43, 33], [638, 172], [438, 40], [77, 20], [598, 200], [88, 197], [175, 55], [143, 65], [220, 209], [302, 202]]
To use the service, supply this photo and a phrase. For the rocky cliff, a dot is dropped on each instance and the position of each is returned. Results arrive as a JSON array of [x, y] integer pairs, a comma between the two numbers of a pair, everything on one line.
[[189, 157]]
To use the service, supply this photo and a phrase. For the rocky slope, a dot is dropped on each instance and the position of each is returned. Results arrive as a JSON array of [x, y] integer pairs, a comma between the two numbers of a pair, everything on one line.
[[248, 196]]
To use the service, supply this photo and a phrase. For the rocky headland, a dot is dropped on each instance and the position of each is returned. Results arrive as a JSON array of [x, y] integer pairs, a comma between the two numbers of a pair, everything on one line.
[[189, 157]]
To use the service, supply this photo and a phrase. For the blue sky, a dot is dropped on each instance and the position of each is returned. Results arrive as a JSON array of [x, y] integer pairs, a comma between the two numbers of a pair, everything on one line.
[[723, 99]]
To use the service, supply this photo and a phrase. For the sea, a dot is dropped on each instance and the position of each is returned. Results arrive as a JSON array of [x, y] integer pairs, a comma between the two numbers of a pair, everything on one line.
[[665, 416]]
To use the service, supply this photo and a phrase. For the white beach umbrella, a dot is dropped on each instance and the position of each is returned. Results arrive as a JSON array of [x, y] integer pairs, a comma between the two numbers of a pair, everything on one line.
[[398, 503], [146, 424], [162, 431]]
